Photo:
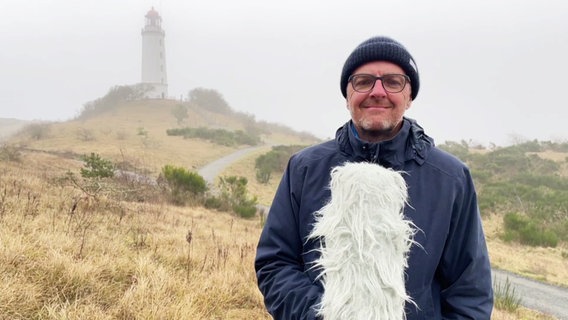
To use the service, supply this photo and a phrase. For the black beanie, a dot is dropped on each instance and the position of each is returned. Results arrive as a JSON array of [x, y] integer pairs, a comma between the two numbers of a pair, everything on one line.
[[381, 49]]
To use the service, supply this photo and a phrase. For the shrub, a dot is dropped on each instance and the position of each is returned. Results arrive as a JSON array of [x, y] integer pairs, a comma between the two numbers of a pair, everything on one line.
[[37, 131], [234, 195], [10, 152], [524, 230], [184, 185], [180, 112], [273, 161], [97, 167], [113, 98], [218, 136]]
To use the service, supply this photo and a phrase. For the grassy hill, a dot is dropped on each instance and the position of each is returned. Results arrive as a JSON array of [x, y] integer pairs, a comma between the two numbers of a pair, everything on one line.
[[72, 250], [134, 133], [9, 127]]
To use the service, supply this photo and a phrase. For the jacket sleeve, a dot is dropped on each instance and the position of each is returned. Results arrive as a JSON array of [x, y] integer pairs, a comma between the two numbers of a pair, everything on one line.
[[465, 270], [281, 273]]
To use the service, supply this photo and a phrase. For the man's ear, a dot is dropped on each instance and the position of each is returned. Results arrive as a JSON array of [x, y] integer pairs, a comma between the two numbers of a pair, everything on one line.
[[408, 104]]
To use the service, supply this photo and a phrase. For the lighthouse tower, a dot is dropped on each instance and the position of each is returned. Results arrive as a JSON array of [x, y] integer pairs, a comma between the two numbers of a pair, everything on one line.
[[154, 56]]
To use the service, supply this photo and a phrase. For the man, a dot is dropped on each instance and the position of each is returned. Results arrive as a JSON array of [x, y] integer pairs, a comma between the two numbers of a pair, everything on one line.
[[448, 275]]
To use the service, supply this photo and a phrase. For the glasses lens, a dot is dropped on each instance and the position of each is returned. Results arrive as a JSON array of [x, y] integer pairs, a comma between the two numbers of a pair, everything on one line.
[[363, 82], [393, 82]]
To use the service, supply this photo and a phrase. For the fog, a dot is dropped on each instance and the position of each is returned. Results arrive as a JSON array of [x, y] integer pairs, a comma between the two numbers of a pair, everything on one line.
[[491, 71]]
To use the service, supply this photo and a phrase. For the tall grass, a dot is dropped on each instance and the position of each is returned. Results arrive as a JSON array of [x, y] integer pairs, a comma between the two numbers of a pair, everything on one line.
[[68, 255], [505, 296]]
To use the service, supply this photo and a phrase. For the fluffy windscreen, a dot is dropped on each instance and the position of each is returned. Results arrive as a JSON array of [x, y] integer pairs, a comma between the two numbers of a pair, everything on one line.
[[365, 243]]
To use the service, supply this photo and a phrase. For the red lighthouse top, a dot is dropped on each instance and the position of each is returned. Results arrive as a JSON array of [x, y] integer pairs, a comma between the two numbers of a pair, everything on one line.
[[153, 19], [153, 14]]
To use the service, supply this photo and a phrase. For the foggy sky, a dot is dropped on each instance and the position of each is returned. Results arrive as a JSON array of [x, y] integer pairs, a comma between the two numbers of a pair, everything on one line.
[[490, 71]]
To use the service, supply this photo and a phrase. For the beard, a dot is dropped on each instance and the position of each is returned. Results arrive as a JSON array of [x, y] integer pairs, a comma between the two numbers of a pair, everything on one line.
[[374, 130]]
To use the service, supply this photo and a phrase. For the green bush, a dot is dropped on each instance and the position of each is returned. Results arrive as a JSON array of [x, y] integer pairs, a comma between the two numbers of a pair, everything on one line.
[[185, 186], [245, 210], [234, 195], [524, 230], [273, 161], [217, 136], [96, 167]]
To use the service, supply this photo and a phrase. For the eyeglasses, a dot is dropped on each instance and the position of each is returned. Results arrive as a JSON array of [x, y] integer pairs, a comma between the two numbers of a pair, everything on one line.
[[392, 83]]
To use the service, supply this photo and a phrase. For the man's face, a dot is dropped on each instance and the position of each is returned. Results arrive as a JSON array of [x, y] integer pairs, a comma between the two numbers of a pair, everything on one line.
[[377, 114]]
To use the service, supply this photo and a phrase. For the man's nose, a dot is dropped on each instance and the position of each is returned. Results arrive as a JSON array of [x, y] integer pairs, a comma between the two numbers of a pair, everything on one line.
[[378, 89]]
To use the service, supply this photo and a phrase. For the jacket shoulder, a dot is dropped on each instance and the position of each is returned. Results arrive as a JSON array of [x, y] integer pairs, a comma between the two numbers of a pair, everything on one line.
[[446, 163], [314, 153]]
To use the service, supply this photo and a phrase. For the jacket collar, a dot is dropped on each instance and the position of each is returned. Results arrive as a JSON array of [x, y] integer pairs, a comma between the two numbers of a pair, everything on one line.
[[410, 143]]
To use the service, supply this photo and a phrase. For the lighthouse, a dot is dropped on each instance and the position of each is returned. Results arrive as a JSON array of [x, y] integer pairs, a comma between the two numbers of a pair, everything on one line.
[[154, 56]]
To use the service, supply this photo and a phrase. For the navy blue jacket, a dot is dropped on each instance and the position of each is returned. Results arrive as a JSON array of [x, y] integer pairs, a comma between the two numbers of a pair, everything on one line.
[[449, 275]]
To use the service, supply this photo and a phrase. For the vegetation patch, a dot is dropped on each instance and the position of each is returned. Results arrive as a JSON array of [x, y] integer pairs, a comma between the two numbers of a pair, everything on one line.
[[274, 161], [218, 136], [533, 190]]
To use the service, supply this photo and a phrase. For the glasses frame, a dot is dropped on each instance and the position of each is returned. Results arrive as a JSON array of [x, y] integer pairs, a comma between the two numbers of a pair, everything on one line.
[[406, 81]]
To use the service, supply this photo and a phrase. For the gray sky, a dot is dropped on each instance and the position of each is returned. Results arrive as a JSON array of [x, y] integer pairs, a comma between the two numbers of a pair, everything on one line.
[[490, 70]]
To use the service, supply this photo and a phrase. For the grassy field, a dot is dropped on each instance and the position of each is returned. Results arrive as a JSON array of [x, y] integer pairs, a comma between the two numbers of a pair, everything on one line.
[[72, 252]]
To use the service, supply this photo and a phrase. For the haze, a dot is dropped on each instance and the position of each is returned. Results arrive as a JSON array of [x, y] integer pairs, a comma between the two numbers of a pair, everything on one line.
[[491, 71]]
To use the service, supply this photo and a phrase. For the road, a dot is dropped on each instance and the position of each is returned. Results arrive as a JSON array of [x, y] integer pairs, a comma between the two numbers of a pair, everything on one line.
[[534, 295], [210, 171]]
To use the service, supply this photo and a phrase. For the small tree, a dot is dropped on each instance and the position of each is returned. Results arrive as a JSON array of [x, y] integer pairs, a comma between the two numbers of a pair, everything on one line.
[[180, 113], [97, 167], [234, 192], [209, 99]]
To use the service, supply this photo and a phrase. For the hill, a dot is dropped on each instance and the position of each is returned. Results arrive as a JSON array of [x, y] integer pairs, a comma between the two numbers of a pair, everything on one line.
[[134, 133], [9, 127]]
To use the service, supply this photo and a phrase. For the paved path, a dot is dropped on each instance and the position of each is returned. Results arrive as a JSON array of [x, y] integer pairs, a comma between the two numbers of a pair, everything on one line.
[[535, 295], [211, 170], [551, 300]]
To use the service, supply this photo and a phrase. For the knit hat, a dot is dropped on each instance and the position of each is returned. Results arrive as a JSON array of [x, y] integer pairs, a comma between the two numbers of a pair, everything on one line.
[[381, 49]]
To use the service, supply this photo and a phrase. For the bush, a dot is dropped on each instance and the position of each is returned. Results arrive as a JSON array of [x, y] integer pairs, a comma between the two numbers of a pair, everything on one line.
[[185, 186], [524, 230], [97, 167], [37, 131], [245, 210], [218, 136], [273, 161], [10, 152], [234, 195]]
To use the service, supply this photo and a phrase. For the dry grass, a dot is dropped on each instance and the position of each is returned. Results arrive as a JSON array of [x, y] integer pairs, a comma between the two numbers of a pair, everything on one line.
[[521, 313], [107, 259], [135, 133], [544, 264]]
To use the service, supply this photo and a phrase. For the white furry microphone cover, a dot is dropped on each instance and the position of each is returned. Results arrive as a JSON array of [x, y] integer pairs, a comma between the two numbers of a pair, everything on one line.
[[365, 244]]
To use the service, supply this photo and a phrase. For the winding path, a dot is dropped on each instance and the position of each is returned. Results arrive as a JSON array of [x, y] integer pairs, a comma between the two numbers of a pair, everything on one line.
[[534, 295], [211, 170]]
